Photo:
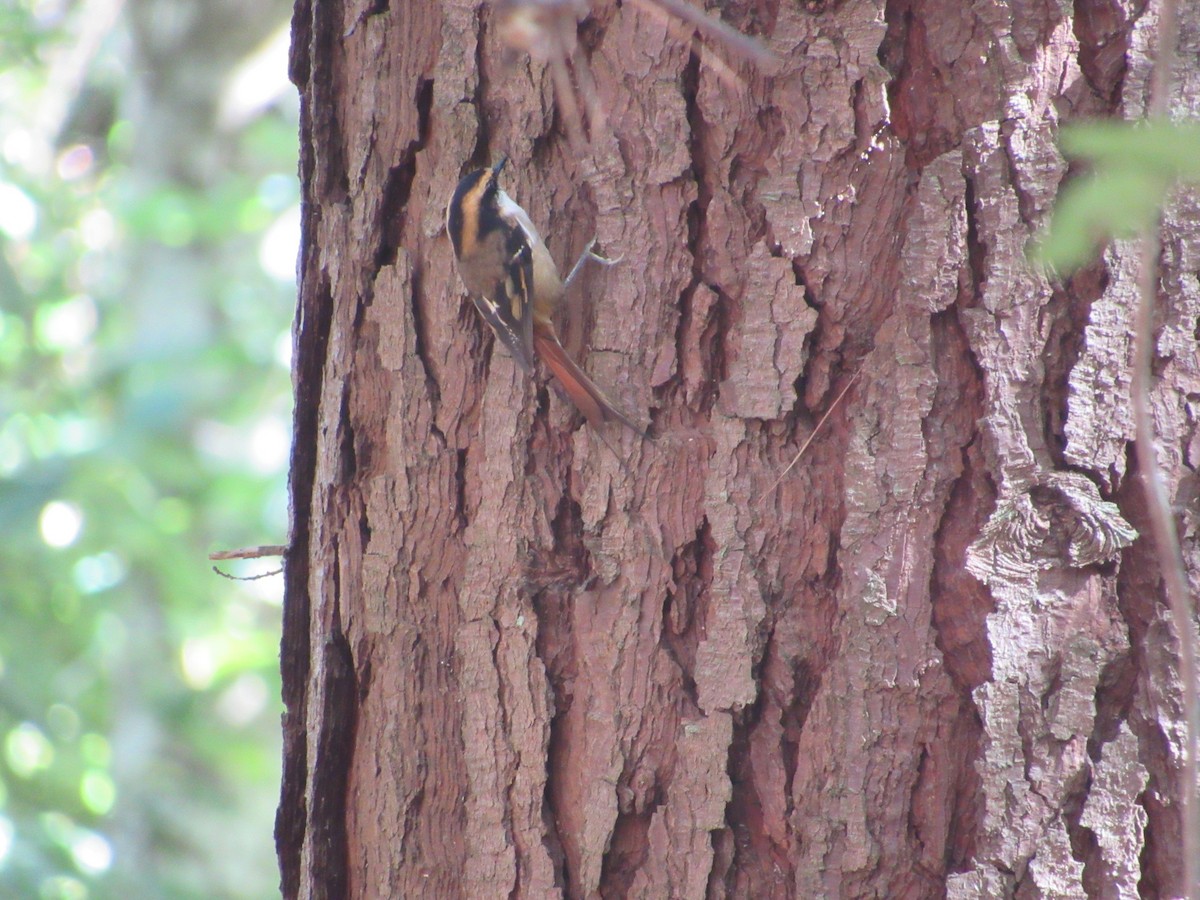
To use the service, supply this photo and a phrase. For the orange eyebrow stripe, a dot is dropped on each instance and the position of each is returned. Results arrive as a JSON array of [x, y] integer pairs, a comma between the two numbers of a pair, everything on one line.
[[471, 203]]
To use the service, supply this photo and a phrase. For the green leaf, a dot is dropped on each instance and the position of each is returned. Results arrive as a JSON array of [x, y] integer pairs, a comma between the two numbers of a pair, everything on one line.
[[1133, 167], [1170, 150], [1094, 209]]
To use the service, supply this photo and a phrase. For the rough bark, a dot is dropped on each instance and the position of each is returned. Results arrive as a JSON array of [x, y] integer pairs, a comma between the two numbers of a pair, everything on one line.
[[933, 662]]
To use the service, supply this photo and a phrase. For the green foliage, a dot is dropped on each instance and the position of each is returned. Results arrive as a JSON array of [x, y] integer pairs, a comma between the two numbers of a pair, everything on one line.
[[144, 421], [1132, 167]]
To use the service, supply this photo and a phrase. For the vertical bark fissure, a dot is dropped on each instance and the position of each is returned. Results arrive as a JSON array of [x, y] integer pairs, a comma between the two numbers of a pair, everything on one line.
[[421, 339], [960, 605], [552, 839], [1103, 28], [321, 94], [1069, 311], [1084, 844], [312, 343], [397, 186], [713, 335], [683, 608], [550, 580], [329, 863]]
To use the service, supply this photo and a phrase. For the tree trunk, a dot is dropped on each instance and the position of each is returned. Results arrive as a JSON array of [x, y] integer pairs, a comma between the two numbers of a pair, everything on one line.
[[524, 658]]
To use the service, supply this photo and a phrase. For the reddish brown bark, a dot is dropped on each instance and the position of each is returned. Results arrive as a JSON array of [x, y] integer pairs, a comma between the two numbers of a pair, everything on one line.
[[929, 663]]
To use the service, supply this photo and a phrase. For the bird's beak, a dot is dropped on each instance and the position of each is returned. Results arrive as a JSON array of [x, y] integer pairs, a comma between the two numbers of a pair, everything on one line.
[[496, 169]]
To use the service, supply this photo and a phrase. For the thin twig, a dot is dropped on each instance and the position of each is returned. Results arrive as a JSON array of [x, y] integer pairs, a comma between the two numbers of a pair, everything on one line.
[[1162, 522], [679, 30], [809, 439], [596, 117], [564, 92], [547, 31], [278, 571]]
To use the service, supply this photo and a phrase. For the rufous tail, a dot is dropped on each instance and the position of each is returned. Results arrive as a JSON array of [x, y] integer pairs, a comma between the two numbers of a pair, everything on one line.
[[581, 390]]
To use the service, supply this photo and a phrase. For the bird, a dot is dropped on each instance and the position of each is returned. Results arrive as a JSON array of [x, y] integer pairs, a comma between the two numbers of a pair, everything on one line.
[[515, 286]]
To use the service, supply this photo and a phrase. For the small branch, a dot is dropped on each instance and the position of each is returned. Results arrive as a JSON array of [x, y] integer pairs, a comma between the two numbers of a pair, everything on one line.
[[739, 43], [251, 552], [678, 29], [1162, 522]]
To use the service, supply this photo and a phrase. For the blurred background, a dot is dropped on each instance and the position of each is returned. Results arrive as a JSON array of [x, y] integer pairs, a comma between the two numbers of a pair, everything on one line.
[[148, 234]]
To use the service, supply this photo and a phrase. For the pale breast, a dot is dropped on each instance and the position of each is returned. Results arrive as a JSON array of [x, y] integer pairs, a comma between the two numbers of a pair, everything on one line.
[[478, 269]]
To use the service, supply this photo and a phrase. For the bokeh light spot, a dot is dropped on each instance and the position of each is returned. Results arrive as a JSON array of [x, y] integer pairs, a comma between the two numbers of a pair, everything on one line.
[[91, 852], [244, 700], [270, 445], [6, 838], [18, 213], [98, 573], [97, 228], [60, 523], [97, 792], [75, 162], [198, 659], [27, 750], [68, 325], [280, 246], [62, 887]]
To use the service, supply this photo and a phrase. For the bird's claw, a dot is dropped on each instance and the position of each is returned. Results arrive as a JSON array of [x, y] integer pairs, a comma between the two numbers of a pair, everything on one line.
[[589, 253]]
